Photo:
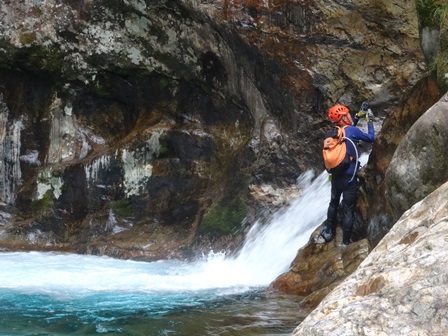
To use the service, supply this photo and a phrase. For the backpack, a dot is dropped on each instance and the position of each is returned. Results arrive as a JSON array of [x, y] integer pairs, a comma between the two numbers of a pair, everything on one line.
[[334, 151]]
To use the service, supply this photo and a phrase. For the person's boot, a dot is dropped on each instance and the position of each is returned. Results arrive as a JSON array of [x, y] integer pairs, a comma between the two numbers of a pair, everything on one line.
[[326, 235]]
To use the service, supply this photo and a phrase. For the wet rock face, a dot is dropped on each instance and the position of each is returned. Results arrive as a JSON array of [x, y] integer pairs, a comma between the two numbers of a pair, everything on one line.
[[400, 287], [147, 114], [374, 215], [318, 268], [419, 165], [110, 165], [380, 216]]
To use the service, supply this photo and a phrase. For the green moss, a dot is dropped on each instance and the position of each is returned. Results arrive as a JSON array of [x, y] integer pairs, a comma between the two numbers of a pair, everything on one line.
[[101, 90], [163, 151], [442, 69], [164, 83], [43, 205], [121, 208], [27, 38], [224, 218], [431, 12], [46, 58], [442, 12], [432, 66]]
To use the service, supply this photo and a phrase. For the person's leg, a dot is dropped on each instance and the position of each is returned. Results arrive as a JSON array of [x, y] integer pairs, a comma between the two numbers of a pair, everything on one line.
[[332, 213], [348, 207]]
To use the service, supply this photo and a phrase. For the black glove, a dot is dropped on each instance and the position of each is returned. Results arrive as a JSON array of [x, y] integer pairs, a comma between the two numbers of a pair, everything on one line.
[[365, 106]]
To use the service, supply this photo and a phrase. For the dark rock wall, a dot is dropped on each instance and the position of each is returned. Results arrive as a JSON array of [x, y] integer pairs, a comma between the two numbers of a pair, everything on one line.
[[131, 124]]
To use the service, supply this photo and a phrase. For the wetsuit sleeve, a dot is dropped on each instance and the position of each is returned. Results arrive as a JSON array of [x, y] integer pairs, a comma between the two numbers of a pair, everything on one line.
[[366, 137]]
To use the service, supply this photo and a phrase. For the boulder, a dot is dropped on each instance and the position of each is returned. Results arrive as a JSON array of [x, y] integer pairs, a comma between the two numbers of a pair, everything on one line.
[[400, 288], [373, 215], [420, 163]]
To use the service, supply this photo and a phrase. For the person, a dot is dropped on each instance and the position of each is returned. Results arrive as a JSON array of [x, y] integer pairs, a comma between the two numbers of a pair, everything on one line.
[[346, 183]]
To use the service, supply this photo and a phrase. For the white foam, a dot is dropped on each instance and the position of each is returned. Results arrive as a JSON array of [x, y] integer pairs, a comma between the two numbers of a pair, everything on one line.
[[267, 252]]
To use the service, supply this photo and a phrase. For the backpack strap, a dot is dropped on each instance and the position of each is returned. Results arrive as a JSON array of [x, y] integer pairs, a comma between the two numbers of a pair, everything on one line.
[[356, 152]]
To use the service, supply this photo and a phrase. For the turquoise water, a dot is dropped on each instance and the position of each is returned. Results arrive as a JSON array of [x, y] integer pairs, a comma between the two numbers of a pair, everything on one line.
[[68, 294], [60, 294], [253, 313]]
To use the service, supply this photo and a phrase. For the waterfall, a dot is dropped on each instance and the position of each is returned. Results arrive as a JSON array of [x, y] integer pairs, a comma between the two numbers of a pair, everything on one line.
[[58, 293], [269, 249], [267, 252]]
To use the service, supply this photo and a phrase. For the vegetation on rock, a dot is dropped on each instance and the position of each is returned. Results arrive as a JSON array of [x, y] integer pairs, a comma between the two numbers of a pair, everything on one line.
[[433, 15], [224, 218]]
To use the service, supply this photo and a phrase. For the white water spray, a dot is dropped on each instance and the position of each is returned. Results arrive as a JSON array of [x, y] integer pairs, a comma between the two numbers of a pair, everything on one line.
[[267, 252], [270, 249]]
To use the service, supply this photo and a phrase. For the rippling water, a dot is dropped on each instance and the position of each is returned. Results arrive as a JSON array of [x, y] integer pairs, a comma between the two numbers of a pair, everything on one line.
[[66, 294]]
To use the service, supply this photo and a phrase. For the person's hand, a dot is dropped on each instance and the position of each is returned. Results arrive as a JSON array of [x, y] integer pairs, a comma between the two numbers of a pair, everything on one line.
[[365, 106], [361, 114], [363, 111], [369, 116]]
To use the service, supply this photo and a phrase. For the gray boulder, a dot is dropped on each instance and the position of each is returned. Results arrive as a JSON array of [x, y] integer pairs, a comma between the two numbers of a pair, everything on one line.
[[420, 163], [401, 287]]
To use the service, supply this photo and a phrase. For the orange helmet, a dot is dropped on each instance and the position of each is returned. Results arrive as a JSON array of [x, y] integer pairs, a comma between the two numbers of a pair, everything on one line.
[[336, 112]]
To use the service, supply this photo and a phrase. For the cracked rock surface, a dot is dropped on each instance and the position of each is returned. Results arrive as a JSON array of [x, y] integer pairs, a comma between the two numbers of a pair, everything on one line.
[[401, 287]]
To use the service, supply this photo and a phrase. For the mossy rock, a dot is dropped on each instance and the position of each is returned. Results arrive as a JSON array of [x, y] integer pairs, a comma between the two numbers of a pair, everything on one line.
[[224, 218], [442, 69], [42, 206], [430, 12], [433, 14], [27, 38], [121, 208]]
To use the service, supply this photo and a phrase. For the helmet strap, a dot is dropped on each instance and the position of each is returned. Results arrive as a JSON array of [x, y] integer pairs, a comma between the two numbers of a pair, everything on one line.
[[346, 120]]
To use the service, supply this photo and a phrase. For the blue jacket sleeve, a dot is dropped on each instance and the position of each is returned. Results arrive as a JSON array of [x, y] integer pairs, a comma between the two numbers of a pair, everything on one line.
[[356, 134]]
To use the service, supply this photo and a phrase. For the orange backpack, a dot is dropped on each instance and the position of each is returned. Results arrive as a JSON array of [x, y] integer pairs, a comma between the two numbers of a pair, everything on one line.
[[335, 155]]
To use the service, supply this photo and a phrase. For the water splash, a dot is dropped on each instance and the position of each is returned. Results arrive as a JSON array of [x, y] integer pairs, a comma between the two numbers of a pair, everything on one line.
[[55, 293], [269, 249], [267, 252]]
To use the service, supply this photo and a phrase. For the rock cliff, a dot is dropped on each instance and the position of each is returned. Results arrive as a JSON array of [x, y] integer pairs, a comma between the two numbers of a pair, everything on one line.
[[406, 165], [138, 128], [150, 129]]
